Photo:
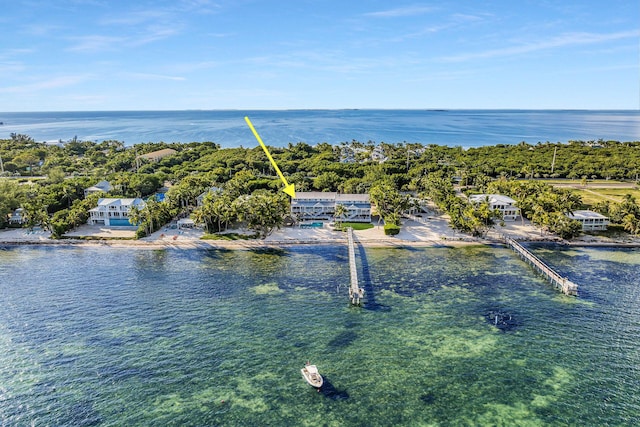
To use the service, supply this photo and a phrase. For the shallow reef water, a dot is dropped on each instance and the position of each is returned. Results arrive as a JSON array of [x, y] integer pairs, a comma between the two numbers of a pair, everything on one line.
[[446, 336]]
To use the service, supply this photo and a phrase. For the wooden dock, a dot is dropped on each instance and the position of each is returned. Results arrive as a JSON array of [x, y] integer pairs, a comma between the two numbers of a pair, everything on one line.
[[567, 286], [356, 293]]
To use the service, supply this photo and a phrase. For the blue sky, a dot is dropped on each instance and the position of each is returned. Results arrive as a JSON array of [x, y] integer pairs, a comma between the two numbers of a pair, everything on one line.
[[65, 55]]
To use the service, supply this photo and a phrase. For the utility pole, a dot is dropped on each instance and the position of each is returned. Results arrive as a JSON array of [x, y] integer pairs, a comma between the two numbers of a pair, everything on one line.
[[2, 165], [553, 162]]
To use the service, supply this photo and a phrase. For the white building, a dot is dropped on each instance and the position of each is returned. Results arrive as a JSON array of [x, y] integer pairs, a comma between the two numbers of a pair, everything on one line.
[[378, 154], [101, 187], [590, 220], [358, 207], [114, 212], [17, 217], [316, 205], [504, 204]]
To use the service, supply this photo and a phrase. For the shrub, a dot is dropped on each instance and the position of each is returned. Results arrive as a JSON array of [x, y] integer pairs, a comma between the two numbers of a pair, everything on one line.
[[142, 230], [391, 229]]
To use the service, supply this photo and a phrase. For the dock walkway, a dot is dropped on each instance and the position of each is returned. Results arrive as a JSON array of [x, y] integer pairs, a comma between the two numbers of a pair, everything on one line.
[[567, 286], [356, 293]]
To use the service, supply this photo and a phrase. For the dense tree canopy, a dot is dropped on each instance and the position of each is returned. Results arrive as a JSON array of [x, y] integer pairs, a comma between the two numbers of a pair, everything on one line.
[[384, 170]]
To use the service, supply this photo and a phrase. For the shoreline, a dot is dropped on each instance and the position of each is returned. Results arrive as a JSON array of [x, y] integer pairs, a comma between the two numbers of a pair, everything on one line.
[[236, 244], [388, 243], [433, 233]]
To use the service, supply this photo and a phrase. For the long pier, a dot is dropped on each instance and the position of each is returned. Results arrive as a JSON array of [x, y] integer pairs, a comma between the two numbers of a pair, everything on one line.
[[356, 293], [566, 285]]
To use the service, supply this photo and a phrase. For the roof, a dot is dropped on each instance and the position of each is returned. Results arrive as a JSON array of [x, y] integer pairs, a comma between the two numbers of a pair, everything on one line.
[[352, 198], [101, 186], [331, 196], [120, 202], [494, 199], [159, 153], [578, 215], [315, 195]]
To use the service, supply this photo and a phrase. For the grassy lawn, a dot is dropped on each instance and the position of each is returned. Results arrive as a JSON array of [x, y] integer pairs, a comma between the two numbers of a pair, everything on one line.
[[355, 225], [591, 196], [579, 181]]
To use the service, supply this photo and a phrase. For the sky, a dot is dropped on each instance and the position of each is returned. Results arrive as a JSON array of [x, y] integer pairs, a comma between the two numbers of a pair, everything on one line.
[[74, 55]]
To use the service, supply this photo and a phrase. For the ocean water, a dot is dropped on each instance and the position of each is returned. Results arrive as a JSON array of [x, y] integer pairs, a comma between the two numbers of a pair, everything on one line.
[[121, 337], [466, 128]]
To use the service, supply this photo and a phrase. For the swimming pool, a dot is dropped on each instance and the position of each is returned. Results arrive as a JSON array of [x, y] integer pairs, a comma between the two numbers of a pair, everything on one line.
[[312, 225]]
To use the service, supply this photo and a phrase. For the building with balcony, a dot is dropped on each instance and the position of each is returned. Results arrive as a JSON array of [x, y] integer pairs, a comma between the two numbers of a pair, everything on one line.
[[114, 212], [590, 220], [316, 205], [506, 205]]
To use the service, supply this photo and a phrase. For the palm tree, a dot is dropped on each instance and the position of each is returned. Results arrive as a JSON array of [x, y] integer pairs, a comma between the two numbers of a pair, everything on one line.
[[135, 215], [340, 213], [631, 224]]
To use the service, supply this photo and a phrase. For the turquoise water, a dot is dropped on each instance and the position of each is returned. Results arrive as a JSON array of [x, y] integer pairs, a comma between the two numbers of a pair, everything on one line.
[[465, 128], [114, 337]]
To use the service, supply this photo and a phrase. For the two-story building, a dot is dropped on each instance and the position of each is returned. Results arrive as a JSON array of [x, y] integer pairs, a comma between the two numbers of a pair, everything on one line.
[[316, 205], [506, 205], [358, 207], [590, 220], [114, 212]]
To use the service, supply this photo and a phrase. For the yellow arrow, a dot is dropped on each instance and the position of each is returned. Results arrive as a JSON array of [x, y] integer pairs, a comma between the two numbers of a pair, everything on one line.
[[290, 189]]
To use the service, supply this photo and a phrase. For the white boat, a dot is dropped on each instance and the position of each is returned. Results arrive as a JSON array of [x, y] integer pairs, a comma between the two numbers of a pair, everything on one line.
[[312, 376]]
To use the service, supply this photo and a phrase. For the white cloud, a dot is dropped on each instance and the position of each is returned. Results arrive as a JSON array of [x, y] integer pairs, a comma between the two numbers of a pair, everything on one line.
[[53, 83], [11, 67], [135, 18], [401, 11], [96, 43], [188, 67], [10, 53], [149, 76], [568, 39], [455, 21], [152, 35]]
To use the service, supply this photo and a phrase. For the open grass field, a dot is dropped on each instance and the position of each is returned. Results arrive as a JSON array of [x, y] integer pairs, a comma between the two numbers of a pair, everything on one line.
[[599, 190], [592, 196]]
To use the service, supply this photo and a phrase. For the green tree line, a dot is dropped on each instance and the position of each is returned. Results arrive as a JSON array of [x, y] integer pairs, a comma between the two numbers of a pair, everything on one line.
[[67, 168]]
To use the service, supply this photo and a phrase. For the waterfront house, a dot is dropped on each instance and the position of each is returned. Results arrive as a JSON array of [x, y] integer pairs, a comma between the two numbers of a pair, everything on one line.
[[114, 212], [101, 187], [358, 207], [17, 217], [506, 205], [316, 205], [590, 220]]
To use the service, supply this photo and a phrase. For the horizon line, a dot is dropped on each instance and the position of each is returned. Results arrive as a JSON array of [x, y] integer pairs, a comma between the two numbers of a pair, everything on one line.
[[320, 109]]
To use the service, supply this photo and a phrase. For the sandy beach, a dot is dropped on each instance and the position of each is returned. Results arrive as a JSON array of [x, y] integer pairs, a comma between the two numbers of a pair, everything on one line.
[[433, 231]]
